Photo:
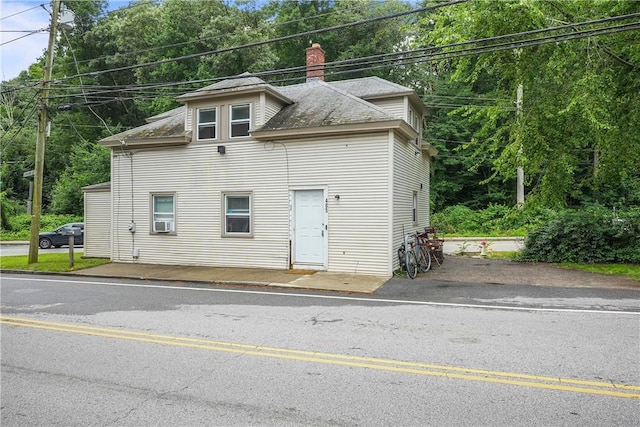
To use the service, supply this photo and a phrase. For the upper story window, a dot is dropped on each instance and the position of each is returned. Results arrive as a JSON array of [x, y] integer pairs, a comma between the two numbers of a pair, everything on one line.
[[207, 123], [240, 120], [414, 119]]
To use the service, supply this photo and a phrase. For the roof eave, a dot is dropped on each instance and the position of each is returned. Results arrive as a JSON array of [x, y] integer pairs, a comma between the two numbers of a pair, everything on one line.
[[159, 141], [212, 94], [274, 134], [430, 149]]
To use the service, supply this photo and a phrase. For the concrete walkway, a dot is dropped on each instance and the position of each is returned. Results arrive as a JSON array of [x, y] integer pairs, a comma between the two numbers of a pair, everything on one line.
[[298, 279]]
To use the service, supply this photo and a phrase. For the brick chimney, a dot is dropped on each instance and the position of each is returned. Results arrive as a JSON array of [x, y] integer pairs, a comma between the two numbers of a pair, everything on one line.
[[315, 62]]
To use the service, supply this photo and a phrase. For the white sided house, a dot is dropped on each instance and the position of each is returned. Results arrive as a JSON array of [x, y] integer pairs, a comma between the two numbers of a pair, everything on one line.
[[319, 175]]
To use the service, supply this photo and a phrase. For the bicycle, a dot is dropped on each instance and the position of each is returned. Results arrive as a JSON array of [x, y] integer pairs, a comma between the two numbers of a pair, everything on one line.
[[424, 258], [432, 244], [407, 258], [415, 257]]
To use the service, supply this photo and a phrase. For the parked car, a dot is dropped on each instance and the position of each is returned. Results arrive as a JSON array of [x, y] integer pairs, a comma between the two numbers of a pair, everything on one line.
[[58, 237]]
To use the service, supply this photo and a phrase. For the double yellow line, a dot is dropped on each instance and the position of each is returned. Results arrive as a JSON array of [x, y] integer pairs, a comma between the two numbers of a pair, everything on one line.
[[461, 373]]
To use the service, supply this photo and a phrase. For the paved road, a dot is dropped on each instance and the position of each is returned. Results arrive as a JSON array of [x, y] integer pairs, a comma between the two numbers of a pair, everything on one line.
[[108, 352], [22, 249]]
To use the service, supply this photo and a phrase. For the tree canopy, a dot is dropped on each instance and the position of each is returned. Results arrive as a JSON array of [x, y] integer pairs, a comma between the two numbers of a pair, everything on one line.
[[577, 135]]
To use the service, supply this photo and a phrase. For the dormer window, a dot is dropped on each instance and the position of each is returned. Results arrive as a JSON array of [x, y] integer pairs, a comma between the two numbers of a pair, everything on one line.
[[414, 119], [240, 120], [207, 123]]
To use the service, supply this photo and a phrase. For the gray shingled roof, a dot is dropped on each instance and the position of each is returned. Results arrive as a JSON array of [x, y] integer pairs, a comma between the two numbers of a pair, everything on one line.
[[312, 104], [233, 83], [98, 187], [178, 110], [240, 84], [371, 87], [317, 103], [171, 126]]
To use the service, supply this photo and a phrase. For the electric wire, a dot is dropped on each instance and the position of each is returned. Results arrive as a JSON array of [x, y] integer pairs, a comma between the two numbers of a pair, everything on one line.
[[264, 42], [18, 13], [24, 122], [430, 57], [435, 53], [26, 35], [409, 57], [204, 39], [73, 55], [573, 26]]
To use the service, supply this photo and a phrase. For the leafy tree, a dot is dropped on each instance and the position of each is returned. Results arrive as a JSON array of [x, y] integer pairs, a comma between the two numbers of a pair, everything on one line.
[[90, 164], [580, 105], [18, 128], [298, 16]]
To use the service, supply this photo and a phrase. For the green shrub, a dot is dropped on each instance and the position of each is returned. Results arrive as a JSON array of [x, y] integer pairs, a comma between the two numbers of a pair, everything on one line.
[[495, 220], [20, 225], [589, 235]]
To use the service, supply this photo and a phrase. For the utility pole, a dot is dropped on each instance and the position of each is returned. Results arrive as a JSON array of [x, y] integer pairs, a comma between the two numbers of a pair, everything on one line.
[[42, 136], [520, 169]]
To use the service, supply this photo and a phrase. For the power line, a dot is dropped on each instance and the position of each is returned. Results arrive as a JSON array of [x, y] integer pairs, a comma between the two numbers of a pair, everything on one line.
[[26, 35], [413, 56], [22, 126], [203, 39], [439, 52], [371, 65], [274, 40], [18, 13]]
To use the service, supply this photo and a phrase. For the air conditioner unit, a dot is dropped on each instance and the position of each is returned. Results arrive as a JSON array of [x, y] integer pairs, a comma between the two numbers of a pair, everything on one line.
[[162, 226]]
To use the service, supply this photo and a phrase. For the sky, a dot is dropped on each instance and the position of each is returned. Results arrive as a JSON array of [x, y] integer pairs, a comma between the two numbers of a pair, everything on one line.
[[19, 54], [25, 16]]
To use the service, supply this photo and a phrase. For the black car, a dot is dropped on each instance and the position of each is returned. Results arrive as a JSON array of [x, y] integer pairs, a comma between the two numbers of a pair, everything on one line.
[[59, 237]]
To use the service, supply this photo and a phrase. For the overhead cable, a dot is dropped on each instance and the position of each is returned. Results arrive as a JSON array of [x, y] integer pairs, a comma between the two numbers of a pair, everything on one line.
[[264, 42], [396, 59]]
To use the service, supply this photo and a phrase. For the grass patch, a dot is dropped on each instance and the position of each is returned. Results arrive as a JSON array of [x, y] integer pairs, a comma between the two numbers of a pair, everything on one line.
[[631, 271], [58, 262], [503, 254]]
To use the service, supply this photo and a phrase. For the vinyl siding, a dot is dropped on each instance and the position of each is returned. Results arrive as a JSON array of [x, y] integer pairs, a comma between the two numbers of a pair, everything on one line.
[[355, 167], [271, 108], [198, 176], [97, 224], [409, 171], [393, 106], [189, 120]]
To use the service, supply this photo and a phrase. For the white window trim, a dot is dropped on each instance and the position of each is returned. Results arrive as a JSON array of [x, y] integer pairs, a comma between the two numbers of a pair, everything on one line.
[[223, 200], [232, 122], [414, 212], [215, 124], [172, 223]]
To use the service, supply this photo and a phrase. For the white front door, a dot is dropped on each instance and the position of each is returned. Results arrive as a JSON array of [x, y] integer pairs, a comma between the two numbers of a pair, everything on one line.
[[309, 223]]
